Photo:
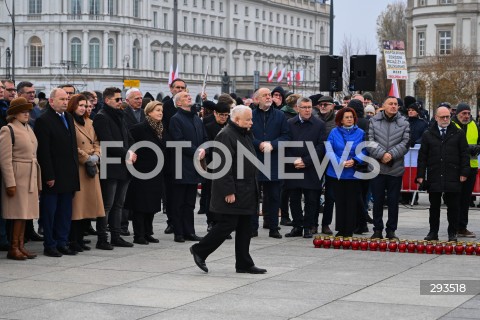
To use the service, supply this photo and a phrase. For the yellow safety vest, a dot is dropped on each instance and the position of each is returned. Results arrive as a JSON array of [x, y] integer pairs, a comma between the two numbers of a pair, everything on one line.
[[472, 138]]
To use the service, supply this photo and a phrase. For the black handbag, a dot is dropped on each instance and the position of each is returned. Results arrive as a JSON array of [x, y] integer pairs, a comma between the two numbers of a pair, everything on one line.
[[91, 168]]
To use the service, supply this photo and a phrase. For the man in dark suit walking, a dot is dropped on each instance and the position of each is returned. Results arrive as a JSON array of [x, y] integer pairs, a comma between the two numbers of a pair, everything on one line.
[[58, 159]]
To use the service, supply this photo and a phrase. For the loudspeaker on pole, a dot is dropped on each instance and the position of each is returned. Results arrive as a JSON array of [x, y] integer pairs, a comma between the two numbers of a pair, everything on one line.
[[363, 72], [331, 68]]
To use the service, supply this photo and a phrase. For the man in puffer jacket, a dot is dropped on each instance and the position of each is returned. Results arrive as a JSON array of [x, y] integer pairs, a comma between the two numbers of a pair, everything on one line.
[[391, 131]]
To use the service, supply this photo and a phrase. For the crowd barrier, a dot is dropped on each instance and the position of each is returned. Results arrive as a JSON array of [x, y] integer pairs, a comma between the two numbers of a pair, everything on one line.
[[408, 180]]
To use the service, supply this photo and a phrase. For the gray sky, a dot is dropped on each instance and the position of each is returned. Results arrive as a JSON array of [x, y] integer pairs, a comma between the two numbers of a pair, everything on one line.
[[358, 19]]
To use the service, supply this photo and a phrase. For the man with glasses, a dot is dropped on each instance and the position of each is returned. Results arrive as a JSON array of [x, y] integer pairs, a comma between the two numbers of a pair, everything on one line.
[[69, 89], [443, 167], [26, 90], [327, 114], [307, 129], [464, 121], [391, 131], [10, 90], [110, 126]]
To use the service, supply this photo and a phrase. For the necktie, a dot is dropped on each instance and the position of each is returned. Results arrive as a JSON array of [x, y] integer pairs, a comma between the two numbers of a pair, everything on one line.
[[64, 120], [442, 134]]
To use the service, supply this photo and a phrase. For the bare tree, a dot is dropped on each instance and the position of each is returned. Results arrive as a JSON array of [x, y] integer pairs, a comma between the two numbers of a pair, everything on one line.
[[391, 25], [452, 78]]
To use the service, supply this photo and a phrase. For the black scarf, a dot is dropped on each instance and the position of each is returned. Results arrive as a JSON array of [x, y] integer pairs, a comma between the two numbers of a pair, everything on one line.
[[79, 119]]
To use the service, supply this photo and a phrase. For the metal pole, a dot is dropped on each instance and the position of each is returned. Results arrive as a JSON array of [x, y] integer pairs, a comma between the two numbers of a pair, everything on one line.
[[175, 33], [13, 41], [331, 27]]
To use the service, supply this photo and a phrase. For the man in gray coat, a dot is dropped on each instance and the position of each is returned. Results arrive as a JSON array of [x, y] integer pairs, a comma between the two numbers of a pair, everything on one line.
[[391, 131]]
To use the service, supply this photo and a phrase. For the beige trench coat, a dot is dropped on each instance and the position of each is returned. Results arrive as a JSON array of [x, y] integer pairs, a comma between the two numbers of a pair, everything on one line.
[[20, 168], [88, 202]]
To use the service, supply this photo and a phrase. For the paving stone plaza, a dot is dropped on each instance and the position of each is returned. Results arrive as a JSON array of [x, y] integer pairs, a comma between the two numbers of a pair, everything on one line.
[[161, 281]]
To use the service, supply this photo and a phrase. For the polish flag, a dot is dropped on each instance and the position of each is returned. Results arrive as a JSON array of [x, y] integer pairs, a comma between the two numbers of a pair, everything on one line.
[[289, 77], [280, 75], [172, 76], [394, 89], [271, 74], [299, 76]]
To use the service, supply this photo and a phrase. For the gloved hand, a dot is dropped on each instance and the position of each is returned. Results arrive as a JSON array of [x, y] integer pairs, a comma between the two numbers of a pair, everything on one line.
[[93, 158], [474, 149], [11, 191]]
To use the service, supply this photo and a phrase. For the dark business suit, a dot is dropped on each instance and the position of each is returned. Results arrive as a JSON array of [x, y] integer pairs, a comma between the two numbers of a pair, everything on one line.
[[58, 158]]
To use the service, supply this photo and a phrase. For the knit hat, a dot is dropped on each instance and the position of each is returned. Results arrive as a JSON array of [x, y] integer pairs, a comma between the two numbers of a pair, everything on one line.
[[462, 106], [18, 105], [207, 104], [368, 95], [222, 107], [414, 106], [356, 105], [369, 108], [408, 100]]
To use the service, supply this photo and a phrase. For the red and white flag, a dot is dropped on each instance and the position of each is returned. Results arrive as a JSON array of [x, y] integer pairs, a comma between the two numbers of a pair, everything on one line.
[[394, 89], [280, 75], [289, 78], [271, 74], [299, 76], [172, 76]]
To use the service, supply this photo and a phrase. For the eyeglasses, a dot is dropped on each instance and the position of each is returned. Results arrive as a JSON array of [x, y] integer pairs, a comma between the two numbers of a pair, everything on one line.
[[223, 114], [29, 92], [325, 104], [305, 107], [443, 117], [11, 90], [176, 87]]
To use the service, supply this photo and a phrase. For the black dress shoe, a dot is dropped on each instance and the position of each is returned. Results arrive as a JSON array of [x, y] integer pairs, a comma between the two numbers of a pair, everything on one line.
[[140, 241], [91, 231], [361, 230], [179, 238], [307, 233], [104, 245], [85, 247], [125, 233], [252, 270], [377, 235], [168, 230], [87, 241], [275, 234], [67, 251], [198, 260], [52, 252], [193, 237], [391, 235], [452, 237], [151, 239], [431, 236], [33, 236], [286, 222], [254, 234], [75, 247], [120, 242], [295, 232]]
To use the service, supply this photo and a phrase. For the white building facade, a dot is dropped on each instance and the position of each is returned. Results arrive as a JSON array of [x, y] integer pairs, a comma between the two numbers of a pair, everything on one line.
[[99, 43], [435, 27]]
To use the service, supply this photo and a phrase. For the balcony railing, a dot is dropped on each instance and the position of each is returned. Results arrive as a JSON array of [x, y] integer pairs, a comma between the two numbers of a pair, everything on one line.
[[34, 16]]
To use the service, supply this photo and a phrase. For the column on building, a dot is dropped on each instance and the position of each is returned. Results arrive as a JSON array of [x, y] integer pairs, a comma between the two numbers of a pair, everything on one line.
[[120, 49], [85, 48], [105, 50], [65, 6], [64, 45], [105, 7], [20, 52], [85, 7], [57, 40], [46, 49], [146, 63]]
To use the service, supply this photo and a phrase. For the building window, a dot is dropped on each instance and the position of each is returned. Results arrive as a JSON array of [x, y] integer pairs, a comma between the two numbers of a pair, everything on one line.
[[212, 5], [446, 1], [221, 6], [185, 62], [155, 58], [136, 8], [305, 41], [444, 42], [304, 23], [235, 8], [111, 53], [298, 41], [421, 44], [270, 36], [220, 29], [311, 43], [36, 52], [298, 22], [278, 17], [263, 14], [76, 51], [94, 54], [185, 2], [165, 21], [246, 11], [35, 6], [291, 40], [94, 7], [257, 34], [212, 28], [246, 32], [257, 13], [284, 38], [155, 19], [185, 24], [235, 31], [76, 7], [311, 24], [285, 19], [271, 16], [278, 38], [422, 3], [194, 23], [263, 35], [165, 61], [204, 4], [112, 7], [204, 27], [136, 55], [194, 3], [291, 20]]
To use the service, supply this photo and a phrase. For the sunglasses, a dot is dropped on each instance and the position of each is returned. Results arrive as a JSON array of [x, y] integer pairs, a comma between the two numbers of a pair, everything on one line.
[[116, 99]]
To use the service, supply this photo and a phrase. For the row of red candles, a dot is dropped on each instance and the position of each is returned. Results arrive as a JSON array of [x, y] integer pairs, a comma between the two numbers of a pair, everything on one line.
[[384, 245]]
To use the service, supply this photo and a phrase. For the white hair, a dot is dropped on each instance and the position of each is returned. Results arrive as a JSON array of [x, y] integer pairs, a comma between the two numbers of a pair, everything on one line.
[[238, 110], [130, 91]]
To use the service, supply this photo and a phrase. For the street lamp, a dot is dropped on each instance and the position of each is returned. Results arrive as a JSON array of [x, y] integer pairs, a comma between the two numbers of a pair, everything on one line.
[[291, 62], [126, 59]]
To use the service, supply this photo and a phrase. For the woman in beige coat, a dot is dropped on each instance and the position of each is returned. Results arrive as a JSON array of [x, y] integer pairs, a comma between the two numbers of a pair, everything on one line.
[[87, 203], [21, 175]]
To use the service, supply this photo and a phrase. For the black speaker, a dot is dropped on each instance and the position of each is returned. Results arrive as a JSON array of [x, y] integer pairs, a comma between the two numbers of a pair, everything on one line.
[[331, 68], [363, 73]]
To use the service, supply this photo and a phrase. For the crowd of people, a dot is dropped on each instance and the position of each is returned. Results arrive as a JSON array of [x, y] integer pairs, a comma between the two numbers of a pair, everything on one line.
[[67, 161]]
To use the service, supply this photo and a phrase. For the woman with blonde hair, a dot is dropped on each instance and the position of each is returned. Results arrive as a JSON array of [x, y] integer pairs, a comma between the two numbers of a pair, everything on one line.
[[21, 175], [88, 202]]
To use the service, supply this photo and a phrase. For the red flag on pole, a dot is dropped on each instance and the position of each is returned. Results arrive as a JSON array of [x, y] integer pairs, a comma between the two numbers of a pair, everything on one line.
[[271, 74]]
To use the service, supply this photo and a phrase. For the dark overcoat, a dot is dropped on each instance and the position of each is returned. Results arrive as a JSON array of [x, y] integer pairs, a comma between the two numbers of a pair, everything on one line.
[[245, 189], [57, 152], [143, 195], [443, 162]]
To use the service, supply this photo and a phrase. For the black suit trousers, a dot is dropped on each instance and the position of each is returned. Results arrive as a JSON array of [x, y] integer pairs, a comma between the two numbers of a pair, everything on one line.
[[227, 223]]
